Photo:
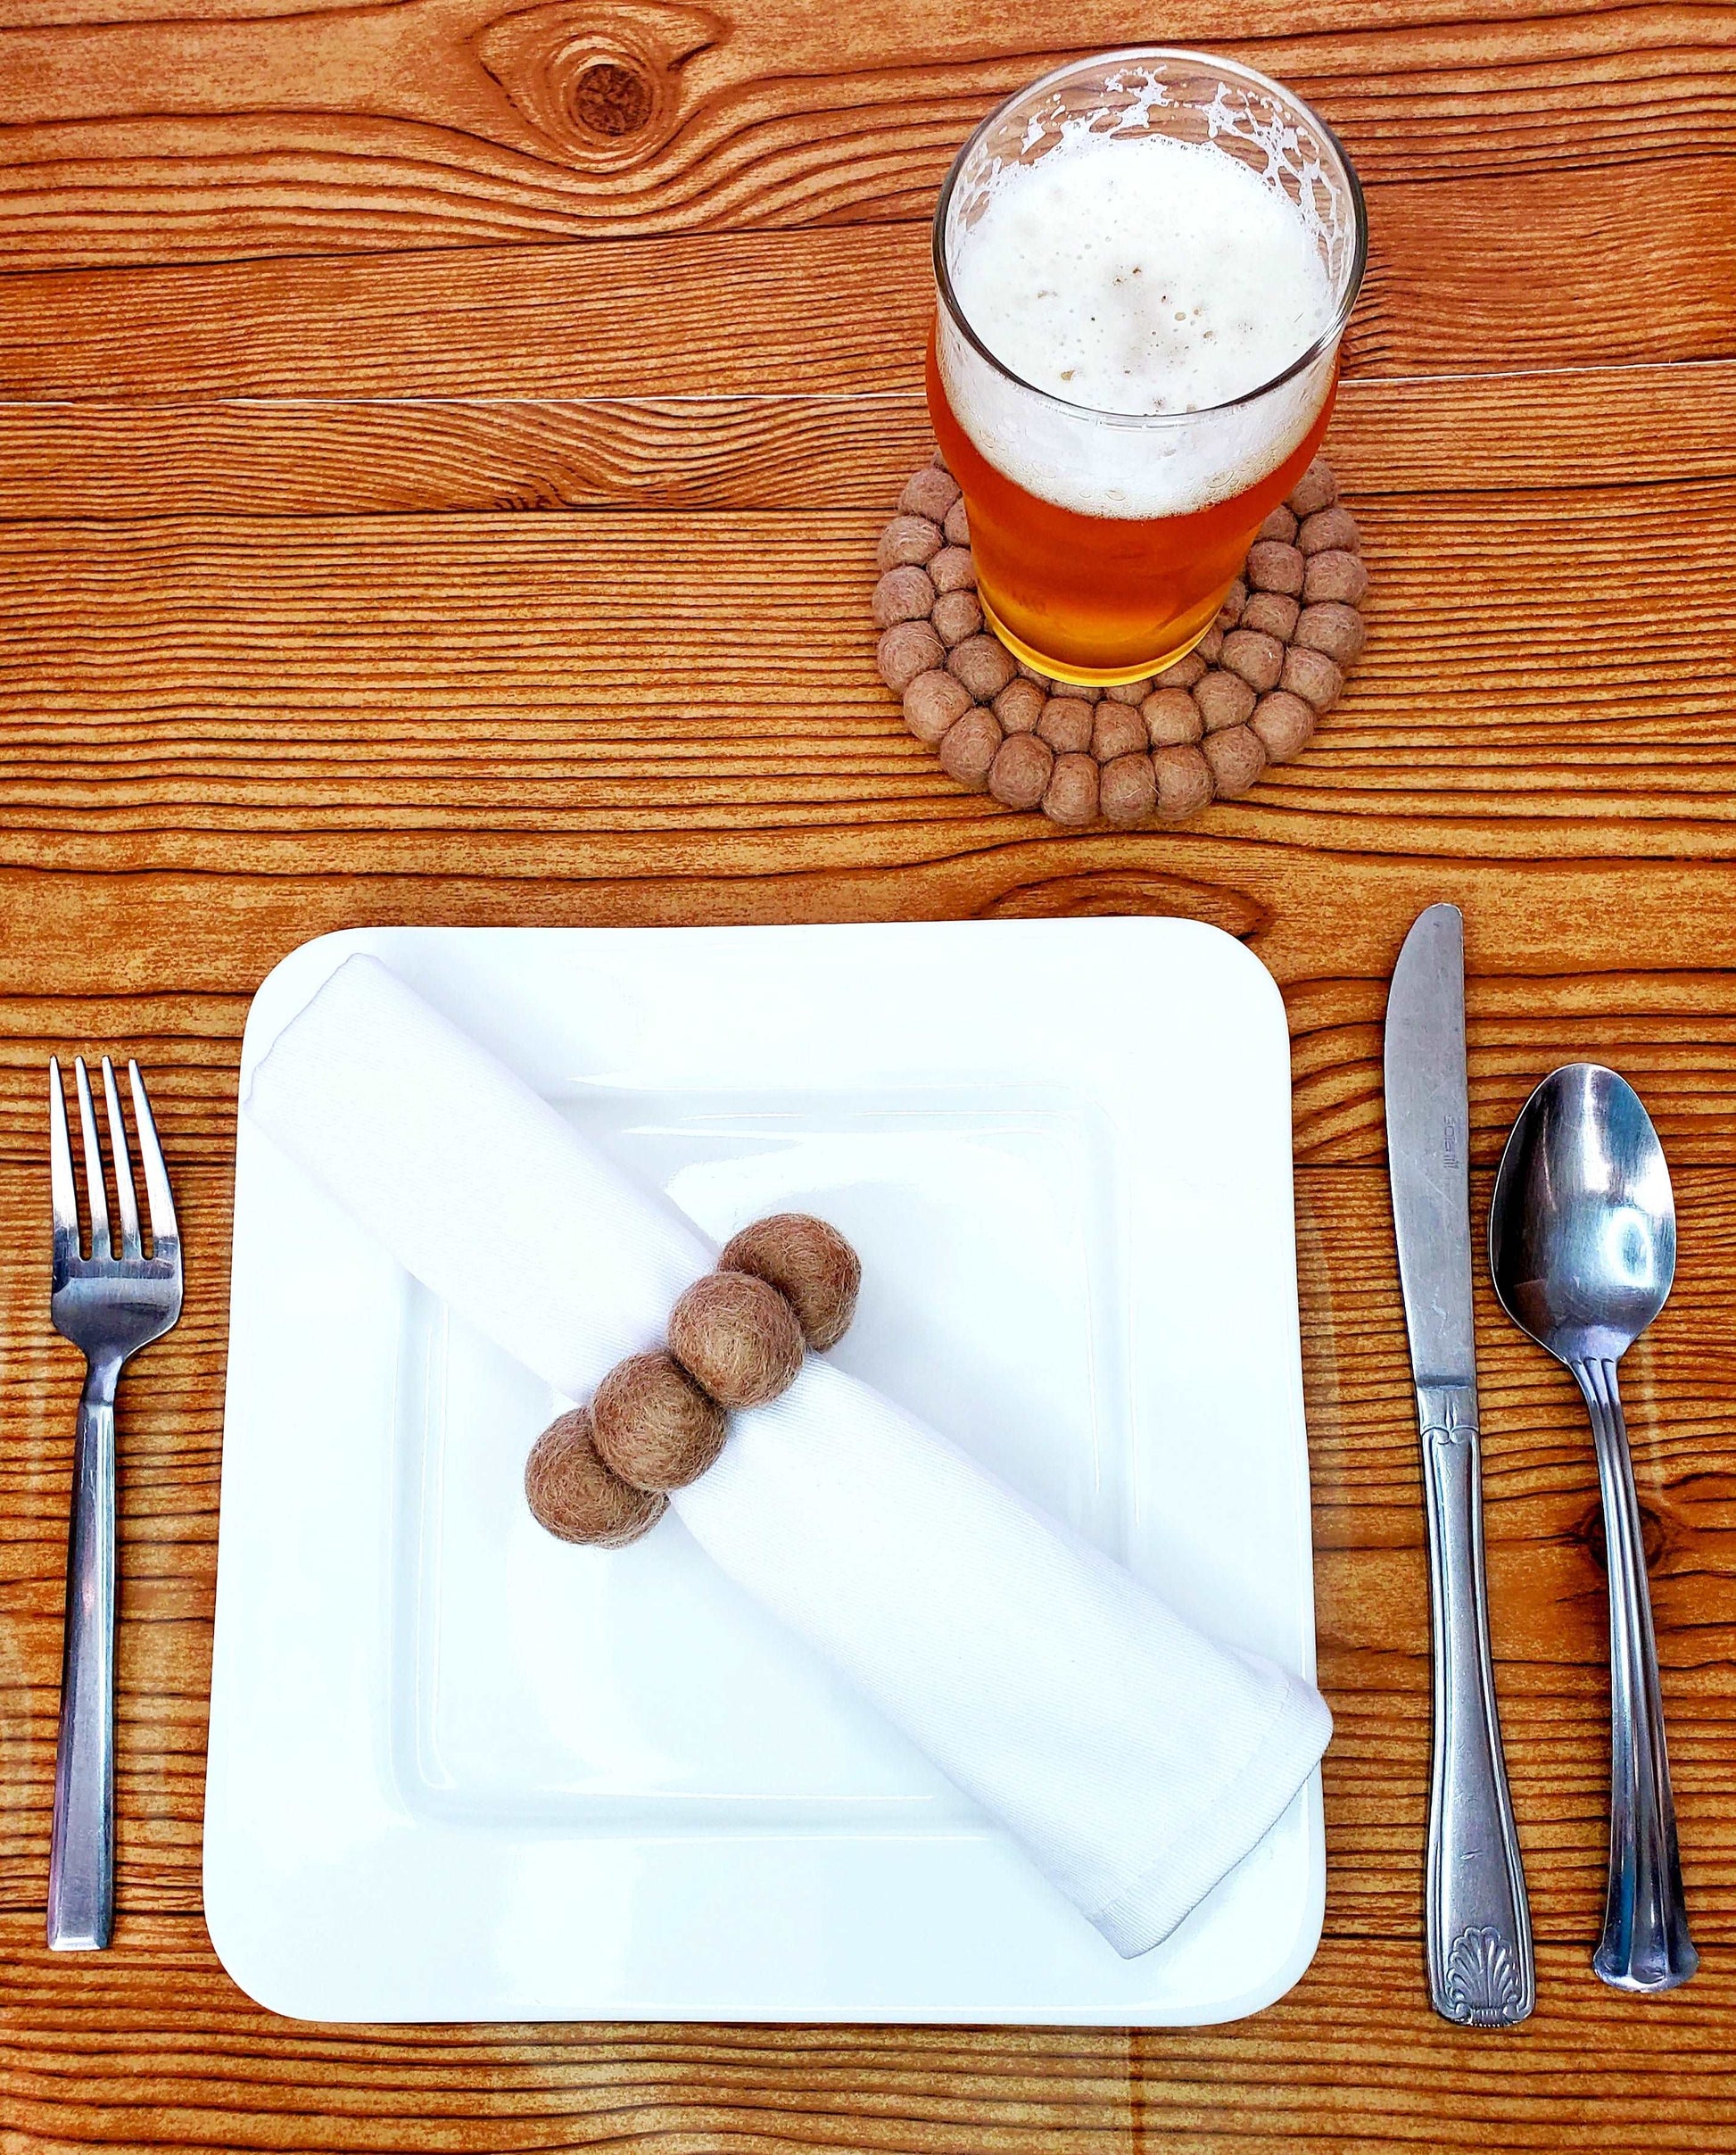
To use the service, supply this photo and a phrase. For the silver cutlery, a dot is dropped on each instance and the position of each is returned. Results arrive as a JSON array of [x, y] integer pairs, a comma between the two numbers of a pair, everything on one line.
[[1480, 1968], [1582, 1245], [108, 1304]]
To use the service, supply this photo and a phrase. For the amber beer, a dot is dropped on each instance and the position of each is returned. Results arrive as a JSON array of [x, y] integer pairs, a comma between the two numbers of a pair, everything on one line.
[[1102, 598], [1144, 263]]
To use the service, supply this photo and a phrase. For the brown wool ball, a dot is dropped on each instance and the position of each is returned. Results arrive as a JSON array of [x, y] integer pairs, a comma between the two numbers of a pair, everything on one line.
[[1283, 723], [1071, 796], [809, 1263], [1117, 731], [1087, 692], [908, 541], [1330, 528], [1019, 775], [1030, 672], [910, 649], [1184, 781], [984, 665], [953, 569], [1020, 705], [1335, 630], [1171, 717], [1317, 489], [1130, 691], [1313, 676], [928, 492], [902, 594], [1337, 577], [1066, 725], [933, 701], [1209, 645], [653, 1426], [736, 1337], [970, 748], [956, 524], [1128, 789], [1272, 614], [1235, 599], [576, 1497], [1184, 673], [1258, 660], [1224, 700], [1281, 526], [1273, 566], [956, 615], [1237, 756]]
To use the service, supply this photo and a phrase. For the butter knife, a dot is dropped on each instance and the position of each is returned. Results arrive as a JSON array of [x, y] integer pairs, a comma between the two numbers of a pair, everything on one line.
[[1480, 1968]]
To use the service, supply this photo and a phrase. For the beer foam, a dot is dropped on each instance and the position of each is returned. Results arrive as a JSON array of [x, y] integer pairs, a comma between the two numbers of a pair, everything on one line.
[[1141, 276]]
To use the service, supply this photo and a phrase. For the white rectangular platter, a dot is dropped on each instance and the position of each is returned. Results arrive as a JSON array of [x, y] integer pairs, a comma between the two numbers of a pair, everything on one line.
[[461, 1771]]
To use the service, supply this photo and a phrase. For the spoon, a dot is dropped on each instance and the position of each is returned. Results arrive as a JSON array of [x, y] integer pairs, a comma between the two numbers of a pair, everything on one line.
[[1581, 1247]]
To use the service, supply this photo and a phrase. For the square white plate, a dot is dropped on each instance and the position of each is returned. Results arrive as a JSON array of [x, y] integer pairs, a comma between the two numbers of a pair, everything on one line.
[[459, 1771]]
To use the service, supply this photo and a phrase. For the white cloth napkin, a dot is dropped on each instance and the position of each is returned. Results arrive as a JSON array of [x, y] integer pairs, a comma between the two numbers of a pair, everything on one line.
[[1135, 1760]]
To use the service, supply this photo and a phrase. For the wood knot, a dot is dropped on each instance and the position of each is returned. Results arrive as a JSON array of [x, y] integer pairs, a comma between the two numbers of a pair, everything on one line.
[[611, 99], [1128, 893], [601, 83], [1654, 1536]]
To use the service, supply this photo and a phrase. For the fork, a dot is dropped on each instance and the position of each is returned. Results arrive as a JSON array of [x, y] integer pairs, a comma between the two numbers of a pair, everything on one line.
[[109, 1305]]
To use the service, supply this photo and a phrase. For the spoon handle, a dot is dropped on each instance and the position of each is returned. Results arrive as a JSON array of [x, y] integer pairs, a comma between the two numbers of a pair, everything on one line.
[[1645, 1944]]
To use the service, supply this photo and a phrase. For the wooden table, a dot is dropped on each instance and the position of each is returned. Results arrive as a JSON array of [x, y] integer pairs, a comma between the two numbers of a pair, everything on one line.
[[440, 444]]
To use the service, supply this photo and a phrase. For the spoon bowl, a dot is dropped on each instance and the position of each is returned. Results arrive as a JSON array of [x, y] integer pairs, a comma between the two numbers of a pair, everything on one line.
[[1582, 1233], [1582, 1249]]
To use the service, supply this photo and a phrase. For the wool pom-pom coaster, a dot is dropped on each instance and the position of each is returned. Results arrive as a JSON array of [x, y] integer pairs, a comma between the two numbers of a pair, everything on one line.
[[1249, 694]]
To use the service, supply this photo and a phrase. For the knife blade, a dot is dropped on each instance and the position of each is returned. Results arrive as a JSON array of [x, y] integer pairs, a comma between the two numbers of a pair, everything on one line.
[[1428, 1148], [1481, 1972]]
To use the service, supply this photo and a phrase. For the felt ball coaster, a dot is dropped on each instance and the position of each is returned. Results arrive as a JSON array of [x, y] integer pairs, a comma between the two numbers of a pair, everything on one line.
[[1247, 695]]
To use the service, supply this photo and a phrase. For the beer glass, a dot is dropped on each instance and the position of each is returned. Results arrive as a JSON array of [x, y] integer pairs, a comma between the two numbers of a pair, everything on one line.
[[1105, 539]]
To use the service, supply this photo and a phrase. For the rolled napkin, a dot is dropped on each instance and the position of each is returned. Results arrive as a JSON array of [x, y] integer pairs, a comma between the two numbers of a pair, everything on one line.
[[1135, 1760]]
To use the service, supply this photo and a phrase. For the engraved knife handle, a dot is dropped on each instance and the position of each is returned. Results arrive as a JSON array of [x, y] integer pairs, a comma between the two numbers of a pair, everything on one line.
[[1480, 1968]]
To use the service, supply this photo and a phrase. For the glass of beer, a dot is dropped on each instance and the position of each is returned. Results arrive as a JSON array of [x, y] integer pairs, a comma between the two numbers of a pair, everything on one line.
[[1144, 264]]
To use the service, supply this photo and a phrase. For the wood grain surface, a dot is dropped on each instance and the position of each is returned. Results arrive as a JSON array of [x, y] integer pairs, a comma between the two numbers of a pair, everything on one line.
[[441, 448]]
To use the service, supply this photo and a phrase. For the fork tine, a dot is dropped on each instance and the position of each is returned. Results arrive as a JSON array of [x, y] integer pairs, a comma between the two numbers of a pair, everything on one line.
[[62, 1189], [126, 1201], [158, 1202], [96, 1195]]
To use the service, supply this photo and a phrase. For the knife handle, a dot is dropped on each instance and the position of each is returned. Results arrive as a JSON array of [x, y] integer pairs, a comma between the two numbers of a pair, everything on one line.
[[1480, 1968]]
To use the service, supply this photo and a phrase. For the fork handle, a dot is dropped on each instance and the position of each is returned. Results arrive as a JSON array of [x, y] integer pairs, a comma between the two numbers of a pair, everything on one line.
[[82, 1854]]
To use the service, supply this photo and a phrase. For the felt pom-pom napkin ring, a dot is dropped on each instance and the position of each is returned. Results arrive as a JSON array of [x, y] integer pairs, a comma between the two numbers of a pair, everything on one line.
[[603, 1473]]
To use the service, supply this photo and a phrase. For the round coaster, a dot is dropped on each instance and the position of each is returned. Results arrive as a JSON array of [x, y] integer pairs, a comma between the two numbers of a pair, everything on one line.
[[1247, 695]]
